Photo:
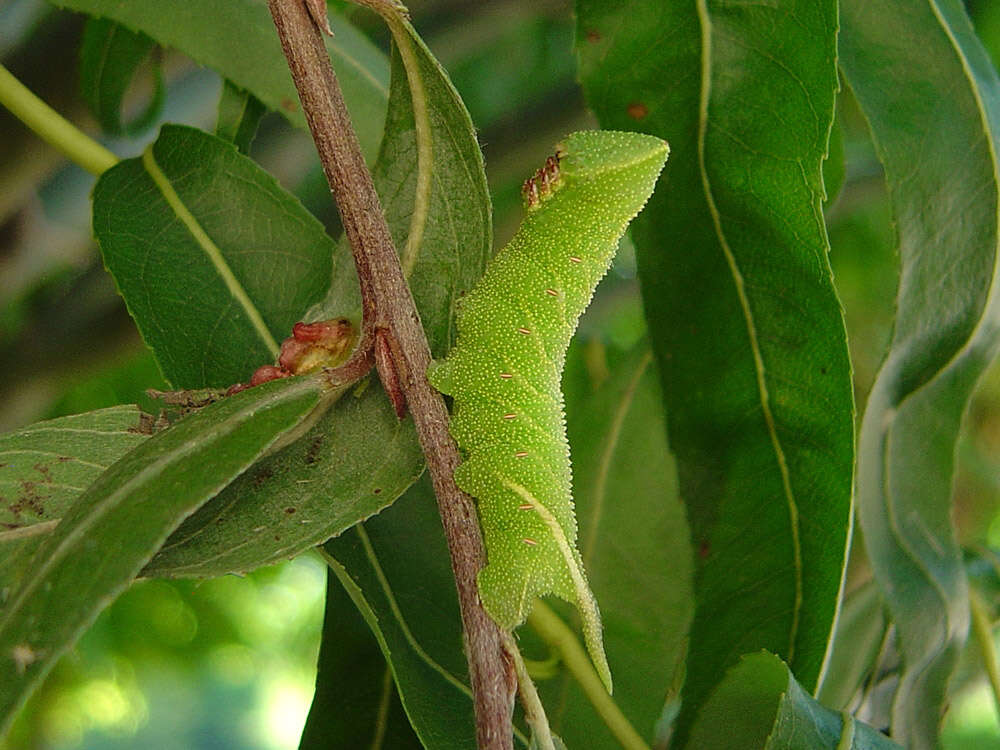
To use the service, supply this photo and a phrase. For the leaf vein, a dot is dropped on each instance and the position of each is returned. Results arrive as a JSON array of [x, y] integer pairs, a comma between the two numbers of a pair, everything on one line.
[[211, 250], [760, 372]]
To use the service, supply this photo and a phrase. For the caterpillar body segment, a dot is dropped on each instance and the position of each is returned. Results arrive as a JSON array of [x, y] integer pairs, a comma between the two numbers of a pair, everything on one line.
[[505, 371]]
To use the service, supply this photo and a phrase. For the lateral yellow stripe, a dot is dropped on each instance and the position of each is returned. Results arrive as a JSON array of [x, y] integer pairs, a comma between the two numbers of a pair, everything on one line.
[[584, 597]]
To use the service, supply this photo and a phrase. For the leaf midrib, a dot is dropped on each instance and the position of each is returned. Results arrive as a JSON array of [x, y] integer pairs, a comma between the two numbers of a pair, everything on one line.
[[425, 146], [211, 250], [762, 388]]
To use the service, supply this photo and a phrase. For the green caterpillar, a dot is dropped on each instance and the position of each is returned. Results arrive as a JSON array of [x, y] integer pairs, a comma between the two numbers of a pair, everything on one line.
[[505, 371]]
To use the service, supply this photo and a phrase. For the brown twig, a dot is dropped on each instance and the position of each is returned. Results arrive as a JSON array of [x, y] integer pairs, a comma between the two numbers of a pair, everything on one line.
[[388, 308]]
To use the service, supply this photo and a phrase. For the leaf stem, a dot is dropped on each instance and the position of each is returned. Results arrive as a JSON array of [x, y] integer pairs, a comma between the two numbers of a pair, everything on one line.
[[557, 634], [388, 308], [53, 127], [982, 631], [385, 701], [534, 712]]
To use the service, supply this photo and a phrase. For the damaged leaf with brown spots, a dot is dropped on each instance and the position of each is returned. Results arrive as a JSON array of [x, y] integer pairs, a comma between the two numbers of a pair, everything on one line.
[[44, 468]]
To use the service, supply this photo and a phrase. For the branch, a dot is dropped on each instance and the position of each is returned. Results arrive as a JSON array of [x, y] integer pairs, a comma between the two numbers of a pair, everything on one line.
[[389, 311]]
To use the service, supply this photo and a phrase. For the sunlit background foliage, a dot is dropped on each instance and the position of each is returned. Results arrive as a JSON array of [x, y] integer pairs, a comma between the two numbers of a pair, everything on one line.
[[230, 663]]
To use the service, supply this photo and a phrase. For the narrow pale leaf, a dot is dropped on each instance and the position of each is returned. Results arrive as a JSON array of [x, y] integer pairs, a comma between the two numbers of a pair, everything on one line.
[[123, 518], [932, 99], [742, 311], [110, 56], [861, 629], [237, 39], [43, 469], [356, 703], [395, 568], [760, 706], [214, 259]]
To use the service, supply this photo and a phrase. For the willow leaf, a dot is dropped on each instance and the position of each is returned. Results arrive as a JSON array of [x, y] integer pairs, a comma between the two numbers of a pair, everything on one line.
[[121, 520], [356, 703], [857, 642], [44, 467], [743, 315], [932, 99], [395, 569], [301, 495], [110, 56], [215, 260], [760, 706], [431, 180], [240, 112]]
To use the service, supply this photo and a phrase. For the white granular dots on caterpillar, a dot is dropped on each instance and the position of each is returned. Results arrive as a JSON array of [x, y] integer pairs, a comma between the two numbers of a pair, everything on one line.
[[578, 204]]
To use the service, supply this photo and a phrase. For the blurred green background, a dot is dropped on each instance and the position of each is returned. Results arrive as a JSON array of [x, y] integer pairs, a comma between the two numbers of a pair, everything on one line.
[[229, 663]]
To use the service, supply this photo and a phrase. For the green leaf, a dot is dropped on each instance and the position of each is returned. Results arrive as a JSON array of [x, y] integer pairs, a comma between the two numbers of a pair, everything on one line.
[[356, 703], [760, 706], [237, 39], [110, 55], [214, 259], [240, 113], [290, 501], [432, 184], [332, 477], [932, 99], [123, 518], [395, 568], [321, 485], [44, 468], [744, 319], [857, 640], [356, 460], [635, 544]]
